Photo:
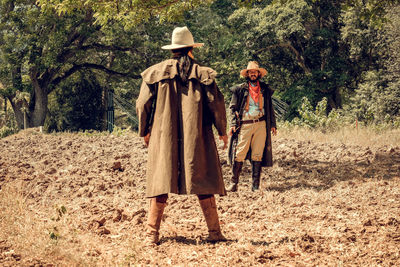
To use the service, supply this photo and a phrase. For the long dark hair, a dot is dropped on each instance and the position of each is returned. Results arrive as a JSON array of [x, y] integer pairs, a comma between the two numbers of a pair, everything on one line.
[[184, 62]]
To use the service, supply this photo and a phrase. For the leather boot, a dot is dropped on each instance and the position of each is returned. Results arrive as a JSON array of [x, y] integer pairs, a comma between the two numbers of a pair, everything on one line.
[[236, 169], [209, 209], [256, 173], [154, 220]]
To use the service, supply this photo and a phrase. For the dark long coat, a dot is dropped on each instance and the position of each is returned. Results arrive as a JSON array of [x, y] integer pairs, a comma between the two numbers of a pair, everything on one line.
[[238, 102], [182, 153]]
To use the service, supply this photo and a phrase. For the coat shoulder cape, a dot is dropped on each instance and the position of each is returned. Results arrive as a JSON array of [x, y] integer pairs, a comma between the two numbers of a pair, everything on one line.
[[168, 69]]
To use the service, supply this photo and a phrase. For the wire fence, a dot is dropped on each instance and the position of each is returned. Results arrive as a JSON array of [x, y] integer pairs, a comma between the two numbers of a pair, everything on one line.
[[126, 107], [280, 107], [129, 109]]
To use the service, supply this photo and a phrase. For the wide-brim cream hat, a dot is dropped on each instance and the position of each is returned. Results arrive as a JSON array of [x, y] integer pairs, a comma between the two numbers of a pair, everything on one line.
[[181, 38], [253, 65]]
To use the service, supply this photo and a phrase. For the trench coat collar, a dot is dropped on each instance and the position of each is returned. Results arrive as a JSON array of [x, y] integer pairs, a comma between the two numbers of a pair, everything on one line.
[[168, 69]]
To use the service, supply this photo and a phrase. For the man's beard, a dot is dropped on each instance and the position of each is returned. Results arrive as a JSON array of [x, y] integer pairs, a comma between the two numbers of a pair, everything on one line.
[[253, 78]]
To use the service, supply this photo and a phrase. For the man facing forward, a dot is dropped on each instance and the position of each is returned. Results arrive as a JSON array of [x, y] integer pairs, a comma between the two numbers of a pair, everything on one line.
[[253, 120]]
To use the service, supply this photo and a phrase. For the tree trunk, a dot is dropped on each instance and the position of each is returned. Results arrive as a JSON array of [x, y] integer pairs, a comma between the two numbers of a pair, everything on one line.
[[19, 115], [38, 104], [104, 109], [5, 111], [37, 111], [338, 98], [25, 120], [37, 116]]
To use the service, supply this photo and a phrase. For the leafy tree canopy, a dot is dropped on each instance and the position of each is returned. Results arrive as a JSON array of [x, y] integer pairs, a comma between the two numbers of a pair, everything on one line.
[[311, 48], [39, 49], [129, 12]]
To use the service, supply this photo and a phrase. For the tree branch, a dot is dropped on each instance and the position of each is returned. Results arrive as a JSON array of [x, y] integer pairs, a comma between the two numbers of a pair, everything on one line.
[[105, 47], [75, 68], [68, 53], [152, 7], [300, 59]]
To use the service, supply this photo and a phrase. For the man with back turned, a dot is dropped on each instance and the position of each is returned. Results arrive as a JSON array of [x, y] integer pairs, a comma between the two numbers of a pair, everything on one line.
[[178, 104]]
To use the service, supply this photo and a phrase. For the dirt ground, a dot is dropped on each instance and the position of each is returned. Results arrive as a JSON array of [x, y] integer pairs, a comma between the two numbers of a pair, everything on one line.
[[78, 200]]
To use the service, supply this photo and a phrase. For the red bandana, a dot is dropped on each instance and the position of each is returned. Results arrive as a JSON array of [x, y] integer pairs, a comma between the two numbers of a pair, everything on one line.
[[254, 91]]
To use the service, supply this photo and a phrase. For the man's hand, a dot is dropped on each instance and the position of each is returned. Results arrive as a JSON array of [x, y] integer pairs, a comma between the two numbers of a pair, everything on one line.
[[146, 139], [273, 130], [225, 139], [232, 130]]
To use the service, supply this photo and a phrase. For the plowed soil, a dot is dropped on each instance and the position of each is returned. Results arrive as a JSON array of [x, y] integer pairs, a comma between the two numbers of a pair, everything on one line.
[[76, 199]]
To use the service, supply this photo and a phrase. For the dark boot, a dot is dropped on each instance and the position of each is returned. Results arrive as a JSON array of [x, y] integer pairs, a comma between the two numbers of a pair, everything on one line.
[[209, 208], [154, 220], [256, 175], [236, 169]]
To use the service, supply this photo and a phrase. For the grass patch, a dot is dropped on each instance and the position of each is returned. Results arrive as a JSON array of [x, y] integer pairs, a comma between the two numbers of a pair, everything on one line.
[[349, 135], [29, 233]]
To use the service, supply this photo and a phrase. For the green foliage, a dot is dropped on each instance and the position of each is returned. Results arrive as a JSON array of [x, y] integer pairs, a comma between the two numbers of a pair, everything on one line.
[[318, 118], [54, 235], [364, 102], [118, 131], [299, 43], [129, 13], [40, 48], [370, 11], [76, 106], [60, 212], [360, 33], [6, 131], [377, 98], [8, 125], [314, 49], [92, 133]]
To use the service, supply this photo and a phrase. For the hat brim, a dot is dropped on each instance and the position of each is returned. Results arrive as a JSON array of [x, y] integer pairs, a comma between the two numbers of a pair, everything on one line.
[[244, 73], [175, 46]]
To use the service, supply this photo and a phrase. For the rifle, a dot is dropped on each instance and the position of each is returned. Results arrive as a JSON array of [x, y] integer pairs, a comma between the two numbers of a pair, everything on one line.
[[234, 139], [238, 125]]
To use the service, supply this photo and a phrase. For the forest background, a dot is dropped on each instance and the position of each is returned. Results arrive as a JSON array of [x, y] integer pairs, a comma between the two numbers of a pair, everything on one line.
[[77, 198], [334, 63]]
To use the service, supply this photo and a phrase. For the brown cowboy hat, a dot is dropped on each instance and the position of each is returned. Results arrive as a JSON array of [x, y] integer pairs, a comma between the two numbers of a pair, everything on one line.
[[253, 65]]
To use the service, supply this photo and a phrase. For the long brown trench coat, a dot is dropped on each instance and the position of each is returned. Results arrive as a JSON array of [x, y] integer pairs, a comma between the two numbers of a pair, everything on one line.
[[240, 94], [182, 153]]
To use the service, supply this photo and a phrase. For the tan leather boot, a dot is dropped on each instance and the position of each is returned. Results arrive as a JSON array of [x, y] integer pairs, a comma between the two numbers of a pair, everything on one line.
[[153, 221], [209, 208]]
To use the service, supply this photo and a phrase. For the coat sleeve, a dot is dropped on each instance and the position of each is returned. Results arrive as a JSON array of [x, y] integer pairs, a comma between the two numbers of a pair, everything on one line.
[[144, 105], [216, 105]]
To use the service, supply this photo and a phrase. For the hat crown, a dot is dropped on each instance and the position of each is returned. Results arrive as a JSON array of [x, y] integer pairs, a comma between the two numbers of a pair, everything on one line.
[[182, 36], [253, 65]]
